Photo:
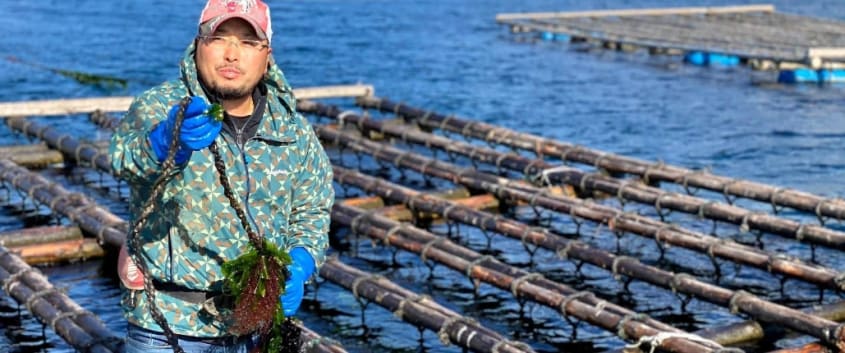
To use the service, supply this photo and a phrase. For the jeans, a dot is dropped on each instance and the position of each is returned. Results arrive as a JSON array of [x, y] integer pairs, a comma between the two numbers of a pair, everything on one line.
[[140, 340]]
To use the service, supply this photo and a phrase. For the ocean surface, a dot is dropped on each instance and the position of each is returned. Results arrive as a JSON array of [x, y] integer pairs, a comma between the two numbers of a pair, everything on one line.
[[449, 56]]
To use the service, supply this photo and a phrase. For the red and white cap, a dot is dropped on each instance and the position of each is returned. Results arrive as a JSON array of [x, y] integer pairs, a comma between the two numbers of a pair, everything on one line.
[[255, 12]]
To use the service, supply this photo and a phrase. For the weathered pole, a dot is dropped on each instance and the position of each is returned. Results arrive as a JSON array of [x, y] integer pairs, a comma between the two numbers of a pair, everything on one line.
[[80, 328], [451, 327], [615, 219], [91, 218], [650, 172], [542, 171], [63, 142], [569, 302], [736, 300]]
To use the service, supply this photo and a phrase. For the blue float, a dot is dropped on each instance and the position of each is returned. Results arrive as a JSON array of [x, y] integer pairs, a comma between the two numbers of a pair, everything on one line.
[[547, 35], [805, 75], [562, 37], [701, 58]]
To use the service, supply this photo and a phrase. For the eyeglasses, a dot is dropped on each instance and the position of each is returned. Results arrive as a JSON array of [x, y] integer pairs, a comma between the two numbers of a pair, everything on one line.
[[220, 42]]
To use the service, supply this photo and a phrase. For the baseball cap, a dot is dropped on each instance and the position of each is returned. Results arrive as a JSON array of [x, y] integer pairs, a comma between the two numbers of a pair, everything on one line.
[[255, 12]]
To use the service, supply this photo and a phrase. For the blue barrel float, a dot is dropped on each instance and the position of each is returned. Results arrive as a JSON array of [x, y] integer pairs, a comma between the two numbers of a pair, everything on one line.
[[807, 75], [561, 37], [701, 58]]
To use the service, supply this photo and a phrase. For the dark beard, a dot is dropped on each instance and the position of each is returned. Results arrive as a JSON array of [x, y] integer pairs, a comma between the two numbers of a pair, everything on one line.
[[229, 93]]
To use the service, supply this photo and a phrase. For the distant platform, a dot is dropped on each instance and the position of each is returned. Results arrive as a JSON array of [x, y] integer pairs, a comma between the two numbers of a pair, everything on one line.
[[754, 35]]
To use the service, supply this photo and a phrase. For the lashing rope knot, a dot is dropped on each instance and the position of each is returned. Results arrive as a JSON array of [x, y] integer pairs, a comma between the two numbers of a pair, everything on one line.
[[569, 298], [656, 341], [676, 280], [427, 246], [732, 303], [520, 345], [650, 169], [68, 315], [443, 333], [476, 262], [400, 310], [563, 252], [526, 277], [615, 265], [361, 279], [620, 325], [15, 279], [39, 295], [341, 118]]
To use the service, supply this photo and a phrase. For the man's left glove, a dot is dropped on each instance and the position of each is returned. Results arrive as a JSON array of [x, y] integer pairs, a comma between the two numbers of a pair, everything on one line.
[[301, 268]]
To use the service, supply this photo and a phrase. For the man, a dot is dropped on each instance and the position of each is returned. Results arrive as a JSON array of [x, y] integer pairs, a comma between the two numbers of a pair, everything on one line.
[[274, 162]]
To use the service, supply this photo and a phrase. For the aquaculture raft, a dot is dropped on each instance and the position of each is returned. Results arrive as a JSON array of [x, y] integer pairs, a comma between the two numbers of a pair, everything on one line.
[[470, 169], [803, 49]]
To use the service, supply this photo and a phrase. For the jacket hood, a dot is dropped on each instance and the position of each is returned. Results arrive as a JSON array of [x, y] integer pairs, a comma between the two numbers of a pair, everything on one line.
[[274, 79]]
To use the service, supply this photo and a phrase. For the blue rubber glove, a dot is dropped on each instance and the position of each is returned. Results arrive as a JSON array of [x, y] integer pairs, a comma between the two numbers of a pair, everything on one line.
[[300, 269], [198, 131]]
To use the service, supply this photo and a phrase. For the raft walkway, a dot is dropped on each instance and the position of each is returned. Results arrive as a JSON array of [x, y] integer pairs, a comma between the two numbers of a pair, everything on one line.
[[395, 216], [803, 49]]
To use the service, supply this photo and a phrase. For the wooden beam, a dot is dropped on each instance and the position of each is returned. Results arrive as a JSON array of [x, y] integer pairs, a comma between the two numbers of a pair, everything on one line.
[[121, 104], [637, 12]]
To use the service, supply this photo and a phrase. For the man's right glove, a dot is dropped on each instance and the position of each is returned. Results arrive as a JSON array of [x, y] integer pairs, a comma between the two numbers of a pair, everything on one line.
[[301, 268], [198, 131]]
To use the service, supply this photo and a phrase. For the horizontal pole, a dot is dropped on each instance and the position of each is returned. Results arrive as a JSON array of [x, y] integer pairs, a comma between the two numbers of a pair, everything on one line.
[[638, 12], [121, 104]]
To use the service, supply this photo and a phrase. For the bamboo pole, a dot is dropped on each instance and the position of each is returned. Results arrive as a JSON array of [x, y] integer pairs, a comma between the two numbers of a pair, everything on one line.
[[60, 251], [640, 225], [314, 343], [63, 142], [80, 328], [121, 104], [583, 305], [737, 300], [38, 235], [77, 207], [541, 171], [421, 311], [650, 172]]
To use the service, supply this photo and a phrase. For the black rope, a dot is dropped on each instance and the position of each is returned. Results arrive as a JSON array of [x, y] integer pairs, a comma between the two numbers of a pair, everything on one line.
[[134, 238]]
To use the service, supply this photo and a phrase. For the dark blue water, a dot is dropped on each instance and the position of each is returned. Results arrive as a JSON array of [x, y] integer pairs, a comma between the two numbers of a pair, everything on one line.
[[452, 57]]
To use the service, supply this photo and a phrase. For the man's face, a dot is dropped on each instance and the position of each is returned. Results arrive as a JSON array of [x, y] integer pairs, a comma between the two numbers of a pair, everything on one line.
[[228, 67]]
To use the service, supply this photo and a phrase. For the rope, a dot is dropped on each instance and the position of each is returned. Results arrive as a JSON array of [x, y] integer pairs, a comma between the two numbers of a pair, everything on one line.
[[732, 304], [391, 232], [614, 267], [318, 341], [620, 325], [704, 206], [727, 195], [544, 175], [68, 314], [676, 280], [475, 262], [15, 279], [400, 311], [526, 277], [341, 118], [443, 333], [38, 295], [657, 340], [424, 251], [773, 197], [565, 302], [648, 170], [517, 344], [358, 281], [563, 253]]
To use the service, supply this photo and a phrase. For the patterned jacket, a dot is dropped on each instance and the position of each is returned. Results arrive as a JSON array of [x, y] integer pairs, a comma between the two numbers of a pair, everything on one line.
[[282, 177]]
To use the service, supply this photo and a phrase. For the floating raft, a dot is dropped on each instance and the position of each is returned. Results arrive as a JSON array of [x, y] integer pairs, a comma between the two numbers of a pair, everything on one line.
[[469, 174], [803, 49]]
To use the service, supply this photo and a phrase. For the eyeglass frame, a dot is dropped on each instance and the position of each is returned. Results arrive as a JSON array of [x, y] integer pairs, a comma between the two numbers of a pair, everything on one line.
[[258, 45]]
